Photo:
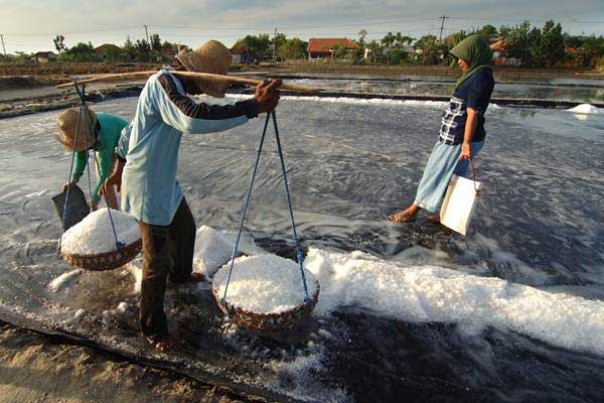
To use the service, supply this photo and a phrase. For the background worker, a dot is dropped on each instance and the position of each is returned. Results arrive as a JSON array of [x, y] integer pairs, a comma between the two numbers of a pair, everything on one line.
[[101, 136]]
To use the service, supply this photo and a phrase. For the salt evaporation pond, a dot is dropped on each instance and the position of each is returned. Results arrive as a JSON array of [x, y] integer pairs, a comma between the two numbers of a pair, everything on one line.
[[512, 312], [573, 90]]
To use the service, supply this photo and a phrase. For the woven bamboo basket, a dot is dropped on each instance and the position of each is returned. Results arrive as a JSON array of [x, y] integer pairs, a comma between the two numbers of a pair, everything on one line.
[[271, 321], [104, 261]]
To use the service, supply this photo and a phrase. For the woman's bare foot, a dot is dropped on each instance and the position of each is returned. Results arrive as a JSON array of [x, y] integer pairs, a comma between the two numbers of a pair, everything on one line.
[[406, 215]]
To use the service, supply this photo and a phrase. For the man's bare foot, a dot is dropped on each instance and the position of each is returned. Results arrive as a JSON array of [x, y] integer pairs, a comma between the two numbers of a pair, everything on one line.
[[193, 278], [166, 343], [406, 215]]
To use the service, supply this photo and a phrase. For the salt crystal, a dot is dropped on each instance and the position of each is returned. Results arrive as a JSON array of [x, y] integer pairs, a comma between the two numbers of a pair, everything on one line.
[[94, 235], [264, 284]]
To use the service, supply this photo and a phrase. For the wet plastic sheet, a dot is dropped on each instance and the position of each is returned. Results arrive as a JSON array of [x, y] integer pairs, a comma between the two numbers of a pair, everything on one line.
[[545, 229]]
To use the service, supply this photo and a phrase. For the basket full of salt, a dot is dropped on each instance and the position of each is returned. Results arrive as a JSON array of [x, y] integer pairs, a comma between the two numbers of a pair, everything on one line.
[[265, 292], [91, 244]]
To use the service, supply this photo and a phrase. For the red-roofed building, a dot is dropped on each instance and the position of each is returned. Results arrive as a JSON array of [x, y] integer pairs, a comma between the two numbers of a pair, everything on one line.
[[324, 48]]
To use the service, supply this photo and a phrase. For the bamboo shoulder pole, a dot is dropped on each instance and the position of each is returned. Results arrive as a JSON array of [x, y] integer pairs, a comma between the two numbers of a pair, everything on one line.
[[205, 76]]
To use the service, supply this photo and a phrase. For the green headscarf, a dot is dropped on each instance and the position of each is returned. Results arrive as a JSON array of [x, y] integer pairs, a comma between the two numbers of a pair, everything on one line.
[[476, 52]]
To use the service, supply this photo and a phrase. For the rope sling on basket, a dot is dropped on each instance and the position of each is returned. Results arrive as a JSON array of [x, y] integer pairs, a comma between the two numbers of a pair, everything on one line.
[[106, 260], [267, 321]]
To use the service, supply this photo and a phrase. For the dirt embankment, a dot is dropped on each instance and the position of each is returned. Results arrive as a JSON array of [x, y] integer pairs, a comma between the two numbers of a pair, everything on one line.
[[511, 73], [39, 368], [55, 73], [29, 88]]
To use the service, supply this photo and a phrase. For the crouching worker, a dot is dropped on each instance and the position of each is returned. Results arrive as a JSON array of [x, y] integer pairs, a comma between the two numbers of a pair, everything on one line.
[[101, 136], [146, 170]]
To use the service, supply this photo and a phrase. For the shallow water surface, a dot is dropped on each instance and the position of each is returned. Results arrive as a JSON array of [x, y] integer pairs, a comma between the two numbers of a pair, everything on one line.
[[570, 90], [538, 224]]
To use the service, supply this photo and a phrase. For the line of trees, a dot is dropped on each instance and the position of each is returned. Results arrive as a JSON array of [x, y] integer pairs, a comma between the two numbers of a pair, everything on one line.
[[139, 50], [546, 46]]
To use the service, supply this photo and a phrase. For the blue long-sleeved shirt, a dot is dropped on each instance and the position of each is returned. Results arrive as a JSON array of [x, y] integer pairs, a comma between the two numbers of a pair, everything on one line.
[[150, 191]]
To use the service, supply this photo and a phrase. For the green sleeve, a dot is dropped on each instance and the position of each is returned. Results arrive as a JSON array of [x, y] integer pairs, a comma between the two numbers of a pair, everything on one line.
[[80, 165], [105, 156], [109, 136]]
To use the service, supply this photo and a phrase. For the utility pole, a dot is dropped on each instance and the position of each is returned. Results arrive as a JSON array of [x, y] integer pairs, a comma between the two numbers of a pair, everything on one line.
[[147, 34], [442, 26], [274, 44], [3, 48], [148, 43]]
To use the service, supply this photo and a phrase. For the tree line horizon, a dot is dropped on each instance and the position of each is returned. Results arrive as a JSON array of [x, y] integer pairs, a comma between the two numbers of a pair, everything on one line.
[[530, 46]]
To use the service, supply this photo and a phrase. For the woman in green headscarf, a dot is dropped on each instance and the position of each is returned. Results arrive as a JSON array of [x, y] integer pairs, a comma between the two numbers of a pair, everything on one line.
[[462, 131]]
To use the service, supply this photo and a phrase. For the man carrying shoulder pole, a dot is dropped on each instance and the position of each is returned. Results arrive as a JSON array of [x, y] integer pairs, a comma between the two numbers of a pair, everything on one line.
[[147, 164]]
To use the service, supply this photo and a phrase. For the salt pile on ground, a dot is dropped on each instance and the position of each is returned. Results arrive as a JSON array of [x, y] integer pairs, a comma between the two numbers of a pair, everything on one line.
[[587, 109], [214, 248], [436, 294], [265, 284], [355, 101], [94, 235]]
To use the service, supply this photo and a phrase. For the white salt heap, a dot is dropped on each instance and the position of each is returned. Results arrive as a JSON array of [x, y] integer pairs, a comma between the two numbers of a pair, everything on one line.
[[214, 248], [94, 234], [585, 109], [436, 294], [264, 284]]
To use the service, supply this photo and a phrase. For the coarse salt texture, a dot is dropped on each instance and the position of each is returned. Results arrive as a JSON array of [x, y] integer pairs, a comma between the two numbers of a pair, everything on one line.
[[214, 248], [264, 284], [94, 235]]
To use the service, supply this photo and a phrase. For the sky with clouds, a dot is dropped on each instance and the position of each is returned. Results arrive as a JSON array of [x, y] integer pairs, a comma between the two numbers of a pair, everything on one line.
[[29, 25]]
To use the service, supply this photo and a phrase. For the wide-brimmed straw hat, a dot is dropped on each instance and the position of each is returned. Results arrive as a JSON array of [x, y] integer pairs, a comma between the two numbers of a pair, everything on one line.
[[211, 57], [74, 136]]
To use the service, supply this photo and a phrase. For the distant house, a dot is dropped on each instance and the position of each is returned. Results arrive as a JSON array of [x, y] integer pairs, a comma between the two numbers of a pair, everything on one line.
[[240, 55], [45, 57], [324, 48]]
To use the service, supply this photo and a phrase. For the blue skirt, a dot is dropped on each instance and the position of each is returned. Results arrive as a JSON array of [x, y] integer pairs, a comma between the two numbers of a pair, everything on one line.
[[442, 164]]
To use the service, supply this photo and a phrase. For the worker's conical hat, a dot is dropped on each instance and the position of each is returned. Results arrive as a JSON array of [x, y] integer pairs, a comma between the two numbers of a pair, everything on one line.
[[211, 57], [72, 131]]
